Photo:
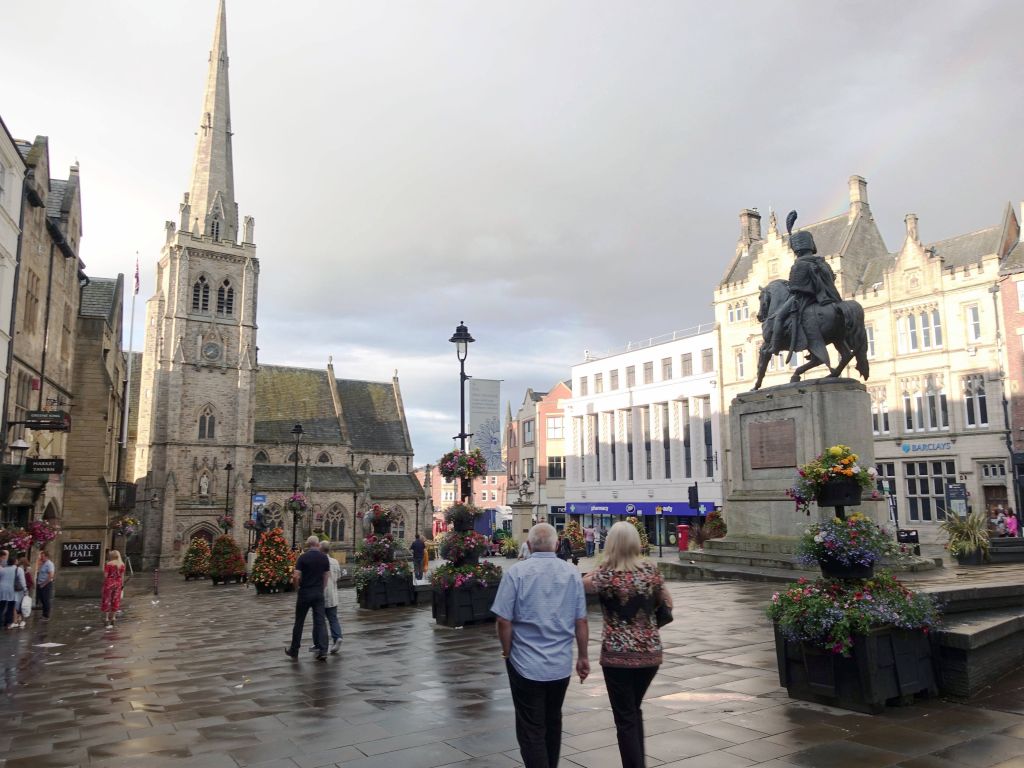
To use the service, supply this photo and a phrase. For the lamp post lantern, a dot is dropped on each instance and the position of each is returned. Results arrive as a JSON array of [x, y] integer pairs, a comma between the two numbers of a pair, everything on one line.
[[297, 431], [462, 339]]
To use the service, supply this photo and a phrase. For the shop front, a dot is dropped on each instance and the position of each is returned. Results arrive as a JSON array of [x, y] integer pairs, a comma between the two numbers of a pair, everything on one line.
[[660, 518]]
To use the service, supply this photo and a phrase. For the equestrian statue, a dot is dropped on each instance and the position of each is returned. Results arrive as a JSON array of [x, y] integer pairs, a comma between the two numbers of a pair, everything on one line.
[[806, 312]]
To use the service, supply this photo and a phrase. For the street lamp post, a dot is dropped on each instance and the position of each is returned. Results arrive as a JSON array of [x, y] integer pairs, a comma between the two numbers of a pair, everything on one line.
[[462, 339], [297, 431], [227, 490], [252, 524]]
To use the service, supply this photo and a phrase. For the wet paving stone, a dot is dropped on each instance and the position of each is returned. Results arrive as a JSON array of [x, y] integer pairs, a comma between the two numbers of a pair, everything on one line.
[[197, 678]]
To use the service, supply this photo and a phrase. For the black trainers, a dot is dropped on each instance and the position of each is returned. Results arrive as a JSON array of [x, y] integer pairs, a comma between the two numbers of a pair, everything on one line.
[[321, 657], [290, 653]]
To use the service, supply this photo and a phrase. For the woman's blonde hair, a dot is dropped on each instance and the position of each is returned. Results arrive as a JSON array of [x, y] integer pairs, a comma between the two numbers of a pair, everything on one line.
[[622, 547], [113, 556]]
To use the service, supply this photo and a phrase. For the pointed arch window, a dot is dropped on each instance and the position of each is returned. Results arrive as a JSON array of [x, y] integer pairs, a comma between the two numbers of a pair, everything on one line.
[[293, 457], [225, 299], [323, 458], [215, 229], [392, 467], [201, 295], [334, 523], [207, 424], [261, 458], [365, 466]]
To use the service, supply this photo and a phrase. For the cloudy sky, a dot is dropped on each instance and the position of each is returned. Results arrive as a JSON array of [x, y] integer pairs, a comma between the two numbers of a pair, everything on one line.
[[560, 175]]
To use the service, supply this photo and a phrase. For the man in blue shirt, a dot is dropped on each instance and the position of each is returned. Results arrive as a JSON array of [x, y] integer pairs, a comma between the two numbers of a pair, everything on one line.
[[541, 607]]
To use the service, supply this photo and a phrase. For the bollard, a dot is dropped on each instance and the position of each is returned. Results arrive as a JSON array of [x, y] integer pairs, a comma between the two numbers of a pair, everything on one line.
[[156, 581]]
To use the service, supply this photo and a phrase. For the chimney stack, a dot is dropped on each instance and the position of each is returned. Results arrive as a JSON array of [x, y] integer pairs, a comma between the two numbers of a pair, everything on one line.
[[750, 226], [858, 197]]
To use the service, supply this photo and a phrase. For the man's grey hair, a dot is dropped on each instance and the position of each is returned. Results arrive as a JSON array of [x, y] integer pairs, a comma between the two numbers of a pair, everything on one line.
[[325, 546], [542, 538], [313, 541]]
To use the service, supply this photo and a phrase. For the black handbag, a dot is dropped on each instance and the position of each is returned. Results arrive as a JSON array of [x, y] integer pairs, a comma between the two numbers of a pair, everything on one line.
[[663, 615]]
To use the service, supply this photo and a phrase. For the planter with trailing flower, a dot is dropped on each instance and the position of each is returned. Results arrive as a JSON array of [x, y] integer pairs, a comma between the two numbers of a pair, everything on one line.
[[854, 644], [227, 566], [381, 581], [968, 537], [464, 588], [833, 479], [380, 518], [848, 548]]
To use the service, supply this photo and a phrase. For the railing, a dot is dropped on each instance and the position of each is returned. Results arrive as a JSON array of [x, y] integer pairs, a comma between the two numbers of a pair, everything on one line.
[[122, 497], [654, 341]]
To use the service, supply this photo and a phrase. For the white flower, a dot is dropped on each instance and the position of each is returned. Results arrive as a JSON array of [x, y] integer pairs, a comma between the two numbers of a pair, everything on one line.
[[856, 469], [872, 471], [818, 539]]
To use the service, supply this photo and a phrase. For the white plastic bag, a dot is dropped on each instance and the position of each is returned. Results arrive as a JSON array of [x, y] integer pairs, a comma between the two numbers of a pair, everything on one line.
[[26, 606]]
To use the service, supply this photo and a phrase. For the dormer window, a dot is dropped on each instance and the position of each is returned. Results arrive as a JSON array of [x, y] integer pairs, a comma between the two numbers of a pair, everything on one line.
[[225, 299], [201, 295]]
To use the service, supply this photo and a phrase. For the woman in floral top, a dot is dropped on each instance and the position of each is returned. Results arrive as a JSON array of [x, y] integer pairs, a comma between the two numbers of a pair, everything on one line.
[[630, 589]]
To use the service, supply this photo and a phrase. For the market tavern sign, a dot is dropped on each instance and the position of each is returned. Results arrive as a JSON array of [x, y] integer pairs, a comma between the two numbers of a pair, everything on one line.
[[772, 444], [44, 466], [80, 554]]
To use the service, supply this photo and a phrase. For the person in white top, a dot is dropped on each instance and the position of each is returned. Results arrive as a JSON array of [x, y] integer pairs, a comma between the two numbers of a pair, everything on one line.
[[331, 598], [524, 551]]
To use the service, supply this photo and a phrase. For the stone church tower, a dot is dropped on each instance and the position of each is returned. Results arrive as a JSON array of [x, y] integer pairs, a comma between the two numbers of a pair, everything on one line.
[[198, 366]]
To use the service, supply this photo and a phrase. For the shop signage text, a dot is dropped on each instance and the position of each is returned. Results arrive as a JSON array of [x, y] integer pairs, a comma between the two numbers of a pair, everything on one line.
[[942, 445]]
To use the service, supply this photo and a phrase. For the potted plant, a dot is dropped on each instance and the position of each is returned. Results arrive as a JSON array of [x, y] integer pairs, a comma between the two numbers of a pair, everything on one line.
[[464, 547], [462, 517], [272, 568], [968, 537], [715, 525], [196, 563], [380, 518], [125, 525], [574, 532], [847, 548], [464, 588], [226, 562], [645, 544], [462, 464], [381, 581], [509, 548], [854, 644], [225, 522], [832, 479]]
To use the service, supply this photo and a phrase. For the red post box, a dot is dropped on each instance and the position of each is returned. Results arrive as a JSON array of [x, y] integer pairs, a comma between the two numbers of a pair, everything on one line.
[[684, 537]]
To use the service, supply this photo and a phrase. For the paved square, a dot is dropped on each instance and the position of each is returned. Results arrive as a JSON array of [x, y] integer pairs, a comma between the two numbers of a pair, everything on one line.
[[198, 677]]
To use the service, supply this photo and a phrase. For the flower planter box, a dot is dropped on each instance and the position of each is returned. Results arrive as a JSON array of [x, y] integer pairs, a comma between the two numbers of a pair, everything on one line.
[[387, 593], [190, 576], [234, 578], [457, 606], [886, 664], [840, 493], [832, 569]]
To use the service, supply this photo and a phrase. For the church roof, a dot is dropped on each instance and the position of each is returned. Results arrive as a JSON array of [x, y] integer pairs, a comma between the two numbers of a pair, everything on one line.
[[371, 413], [395, 487], [99, 296], [286, 396], [968, 249], [322, 477]]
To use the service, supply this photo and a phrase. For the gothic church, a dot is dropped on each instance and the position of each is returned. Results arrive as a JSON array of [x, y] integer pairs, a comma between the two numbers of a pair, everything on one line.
[[213, 428]]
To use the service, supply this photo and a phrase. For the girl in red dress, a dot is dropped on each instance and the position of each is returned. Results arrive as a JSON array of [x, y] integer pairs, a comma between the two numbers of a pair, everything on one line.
[[113, 582]]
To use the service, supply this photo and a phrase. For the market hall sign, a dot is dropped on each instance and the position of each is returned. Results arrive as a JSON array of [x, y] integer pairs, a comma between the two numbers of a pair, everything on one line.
[[80, 554]]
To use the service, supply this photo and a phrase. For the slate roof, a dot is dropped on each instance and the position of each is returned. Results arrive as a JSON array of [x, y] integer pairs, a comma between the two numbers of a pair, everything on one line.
[[372, 418], [968, 249], [98, 297], [395, 487], [1014, 261], [55, 200], [286, 396], [322, 477]]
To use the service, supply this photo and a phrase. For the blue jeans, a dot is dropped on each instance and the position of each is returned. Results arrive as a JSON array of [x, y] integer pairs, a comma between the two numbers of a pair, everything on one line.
[[590, 549], [333, 623]]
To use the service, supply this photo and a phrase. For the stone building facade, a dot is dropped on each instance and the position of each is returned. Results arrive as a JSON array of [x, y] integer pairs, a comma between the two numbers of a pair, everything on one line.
[[12, 179], [206, 403], [935, 347]]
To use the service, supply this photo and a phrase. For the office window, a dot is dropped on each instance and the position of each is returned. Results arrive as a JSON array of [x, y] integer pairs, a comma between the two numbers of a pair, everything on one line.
[[631, 376], [556, 467], [709, 448], [30, 314], [926, 488], [740, 368], [972, 315], [879, 412], [666, 368], [684, 409], [645, 431], [612, 440], [528, 468], [580, 439], [556, 425], [869, 329], [686, 365], [613, 380], [975, 403], [528, 432], [666, 444], [732, 313], [919, 330], [598, 383], [583, 386], [993, 470], [649, 373], [707, 360], [627, 421], [886, 476]]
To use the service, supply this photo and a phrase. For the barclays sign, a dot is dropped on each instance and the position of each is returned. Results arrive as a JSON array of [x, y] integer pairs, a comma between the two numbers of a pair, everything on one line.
[[933, 447]]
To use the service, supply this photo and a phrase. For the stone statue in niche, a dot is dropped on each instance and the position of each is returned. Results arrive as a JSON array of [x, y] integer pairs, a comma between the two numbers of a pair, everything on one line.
[[204, 485]]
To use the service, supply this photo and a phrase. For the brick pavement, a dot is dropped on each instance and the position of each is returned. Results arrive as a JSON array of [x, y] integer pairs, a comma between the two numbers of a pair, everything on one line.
[[199, 678]]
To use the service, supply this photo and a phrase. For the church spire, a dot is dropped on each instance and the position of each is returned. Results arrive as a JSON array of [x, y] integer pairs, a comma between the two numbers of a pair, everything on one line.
[[212, 198]]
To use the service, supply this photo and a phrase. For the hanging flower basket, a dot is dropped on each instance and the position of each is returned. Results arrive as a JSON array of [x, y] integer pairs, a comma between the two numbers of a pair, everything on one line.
[[125, 525], [462, 464], [380, 518], [43, 531], [226, 522], [462, 517], [830, 479], [840, 492], [297, 503]]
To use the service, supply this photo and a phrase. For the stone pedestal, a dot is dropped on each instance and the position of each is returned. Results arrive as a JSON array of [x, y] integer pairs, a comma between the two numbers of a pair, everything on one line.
[[774, 430], [522, 521]]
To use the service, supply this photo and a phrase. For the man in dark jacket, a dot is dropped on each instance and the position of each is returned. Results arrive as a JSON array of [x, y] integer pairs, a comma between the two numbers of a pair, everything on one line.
[[417, 547]]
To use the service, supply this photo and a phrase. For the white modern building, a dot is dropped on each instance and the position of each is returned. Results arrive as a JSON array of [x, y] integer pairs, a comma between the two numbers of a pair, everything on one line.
[[12, 176], [643, 427]]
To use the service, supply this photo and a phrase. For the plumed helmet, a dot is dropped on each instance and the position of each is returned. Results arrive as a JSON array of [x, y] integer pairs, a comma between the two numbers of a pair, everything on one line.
[[802, 242]]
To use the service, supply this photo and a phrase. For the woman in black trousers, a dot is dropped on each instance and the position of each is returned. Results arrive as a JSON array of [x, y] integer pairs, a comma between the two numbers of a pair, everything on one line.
[[630, 589]]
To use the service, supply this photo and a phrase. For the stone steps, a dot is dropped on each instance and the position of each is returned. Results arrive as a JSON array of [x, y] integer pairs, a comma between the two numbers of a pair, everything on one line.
[[754, 559]]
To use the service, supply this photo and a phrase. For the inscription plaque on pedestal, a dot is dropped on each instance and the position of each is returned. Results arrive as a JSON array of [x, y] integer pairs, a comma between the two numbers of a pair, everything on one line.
[[772, 444]]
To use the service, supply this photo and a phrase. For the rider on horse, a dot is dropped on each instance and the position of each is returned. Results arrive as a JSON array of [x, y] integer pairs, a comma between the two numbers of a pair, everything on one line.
[[811, 282]]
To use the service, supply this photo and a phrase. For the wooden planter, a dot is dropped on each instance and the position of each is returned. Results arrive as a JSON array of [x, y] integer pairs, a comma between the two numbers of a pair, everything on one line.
[[458, 606], [840, 493], [886, 664], [387, 593], [230, 578], [190, 576]]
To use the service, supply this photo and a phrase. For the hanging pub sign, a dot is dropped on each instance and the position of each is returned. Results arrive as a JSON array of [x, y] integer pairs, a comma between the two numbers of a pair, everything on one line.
[[48, 421], [44, 466]]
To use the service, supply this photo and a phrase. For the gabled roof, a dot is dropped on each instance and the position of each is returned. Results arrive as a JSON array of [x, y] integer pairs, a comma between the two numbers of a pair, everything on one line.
[[286, 396], [55, 200], [322, 477], [99, 297], [1014, 261], [968, 249], [372, 416]]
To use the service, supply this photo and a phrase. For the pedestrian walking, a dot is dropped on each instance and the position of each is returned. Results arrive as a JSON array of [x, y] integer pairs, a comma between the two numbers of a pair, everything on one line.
[[418, 550], [312, 570], [1000, 524], [1012, 525], [12, 581], [113, 585], [564, 548], [44, 582], [524, 551], [331, 597], [541, 608], [630, 590], [23, 604], [588, 538]]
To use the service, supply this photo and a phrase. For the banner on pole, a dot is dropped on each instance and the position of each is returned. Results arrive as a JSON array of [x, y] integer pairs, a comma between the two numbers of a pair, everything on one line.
[[485, 420]]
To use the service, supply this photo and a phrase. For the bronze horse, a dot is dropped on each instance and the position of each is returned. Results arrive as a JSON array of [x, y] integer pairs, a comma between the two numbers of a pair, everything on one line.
[[842, 326]]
